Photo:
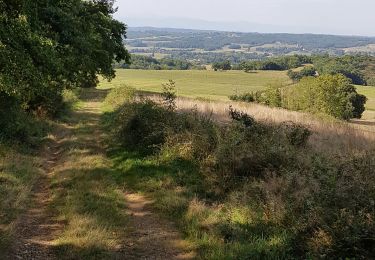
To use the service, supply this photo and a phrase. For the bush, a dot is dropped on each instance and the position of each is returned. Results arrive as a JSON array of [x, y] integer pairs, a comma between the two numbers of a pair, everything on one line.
[[142, 126], [225, 65], [329, 94], [16, 125], [246, 97], [371, 82], [297, 134], [169, 95], [296, 76], [338, 221], [241, 117], [196, 139], [270, 97]]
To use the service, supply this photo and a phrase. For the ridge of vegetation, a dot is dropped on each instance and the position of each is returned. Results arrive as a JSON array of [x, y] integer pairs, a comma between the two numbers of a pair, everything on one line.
[[245, 189]]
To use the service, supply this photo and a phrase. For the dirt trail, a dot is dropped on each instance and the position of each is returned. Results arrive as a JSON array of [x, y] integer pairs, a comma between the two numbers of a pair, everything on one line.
[[152, 237], [147, 236], [37, 227]]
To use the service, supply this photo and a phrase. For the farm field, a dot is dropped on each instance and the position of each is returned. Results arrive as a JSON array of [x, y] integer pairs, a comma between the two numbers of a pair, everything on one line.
[[195, 83], [369, 92], [210, 84]]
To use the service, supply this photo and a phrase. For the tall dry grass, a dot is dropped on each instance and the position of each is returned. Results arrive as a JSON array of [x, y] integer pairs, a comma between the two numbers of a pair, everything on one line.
[[329, 135]]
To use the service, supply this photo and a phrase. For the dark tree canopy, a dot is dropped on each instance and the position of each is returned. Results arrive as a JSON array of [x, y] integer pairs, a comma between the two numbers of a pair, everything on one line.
[[49, 45]]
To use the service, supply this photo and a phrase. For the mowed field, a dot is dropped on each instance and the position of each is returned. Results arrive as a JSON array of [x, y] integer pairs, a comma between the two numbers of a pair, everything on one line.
[[214, 85], [208, 84], [369, 92]]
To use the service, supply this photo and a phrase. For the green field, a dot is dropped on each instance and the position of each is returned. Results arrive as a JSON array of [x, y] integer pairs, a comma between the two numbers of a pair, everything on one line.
[[198, 83], [209, 84], [369, 92]]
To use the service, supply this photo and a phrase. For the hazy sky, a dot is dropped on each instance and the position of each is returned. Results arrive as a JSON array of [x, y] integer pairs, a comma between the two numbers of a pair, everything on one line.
[[354, 17]]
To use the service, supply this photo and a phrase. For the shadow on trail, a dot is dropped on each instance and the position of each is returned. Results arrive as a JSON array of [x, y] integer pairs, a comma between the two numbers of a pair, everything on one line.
[[94, 95], [85, 194], [89, 194]]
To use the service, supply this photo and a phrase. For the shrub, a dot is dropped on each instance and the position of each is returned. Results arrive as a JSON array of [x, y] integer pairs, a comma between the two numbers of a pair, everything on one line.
[[270, 97], [16, 125], [246, 97], [297, 134], [241, 117], [169, 95], [196, 139], [329, 94], [296, 76], [338, 223], [142, 125], [371, 81]]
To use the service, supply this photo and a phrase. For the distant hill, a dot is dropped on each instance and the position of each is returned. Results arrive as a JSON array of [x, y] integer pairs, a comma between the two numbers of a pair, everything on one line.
[[210, 45]]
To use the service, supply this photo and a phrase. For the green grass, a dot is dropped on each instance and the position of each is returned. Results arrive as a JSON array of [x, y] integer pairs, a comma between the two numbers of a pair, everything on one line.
[[18, 172], [178, 193], [369, 92], [195, 83], [86, 196], [209, 84]]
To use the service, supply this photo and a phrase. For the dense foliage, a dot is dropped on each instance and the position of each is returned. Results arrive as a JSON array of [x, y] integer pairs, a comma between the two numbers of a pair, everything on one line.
[[213, 40], [47, 46], [328, 94], [279, 63], [150, 63], [308, 71], [356, 67], [225, 65]]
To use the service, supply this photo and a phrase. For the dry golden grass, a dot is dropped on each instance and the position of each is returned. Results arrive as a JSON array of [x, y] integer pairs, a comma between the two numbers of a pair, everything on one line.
[[329, 135], [18, 173]]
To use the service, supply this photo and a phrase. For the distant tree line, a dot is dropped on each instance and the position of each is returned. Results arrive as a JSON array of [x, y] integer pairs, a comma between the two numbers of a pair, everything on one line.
[[225, 65], [213, 40], [149, 63], [278, 63], [360, 69], [308, 71]]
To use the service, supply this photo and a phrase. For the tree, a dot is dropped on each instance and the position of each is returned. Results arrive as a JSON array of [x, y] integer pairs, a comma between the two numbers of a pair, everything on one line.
[[49, 45], [225, 65], [296, 76], [329, 94]]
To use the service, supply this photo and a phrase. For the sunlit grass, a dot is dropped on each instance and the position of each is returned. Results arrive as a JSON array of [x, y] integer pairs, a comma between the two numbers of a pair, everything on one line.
[[18, 173], [369, 92], [194, 83], [85, 194]]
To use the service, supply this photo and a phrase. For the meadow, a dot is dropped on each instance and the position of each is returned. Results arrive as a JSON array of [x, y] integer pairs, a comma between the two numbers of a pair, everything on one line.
[[212, 85], [369, 92], [206, 84]]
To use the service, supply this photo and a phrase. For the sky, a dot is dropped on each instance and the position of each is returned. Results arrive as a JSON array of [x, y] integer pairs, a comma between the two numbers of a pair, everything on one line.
[[344, 17]]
